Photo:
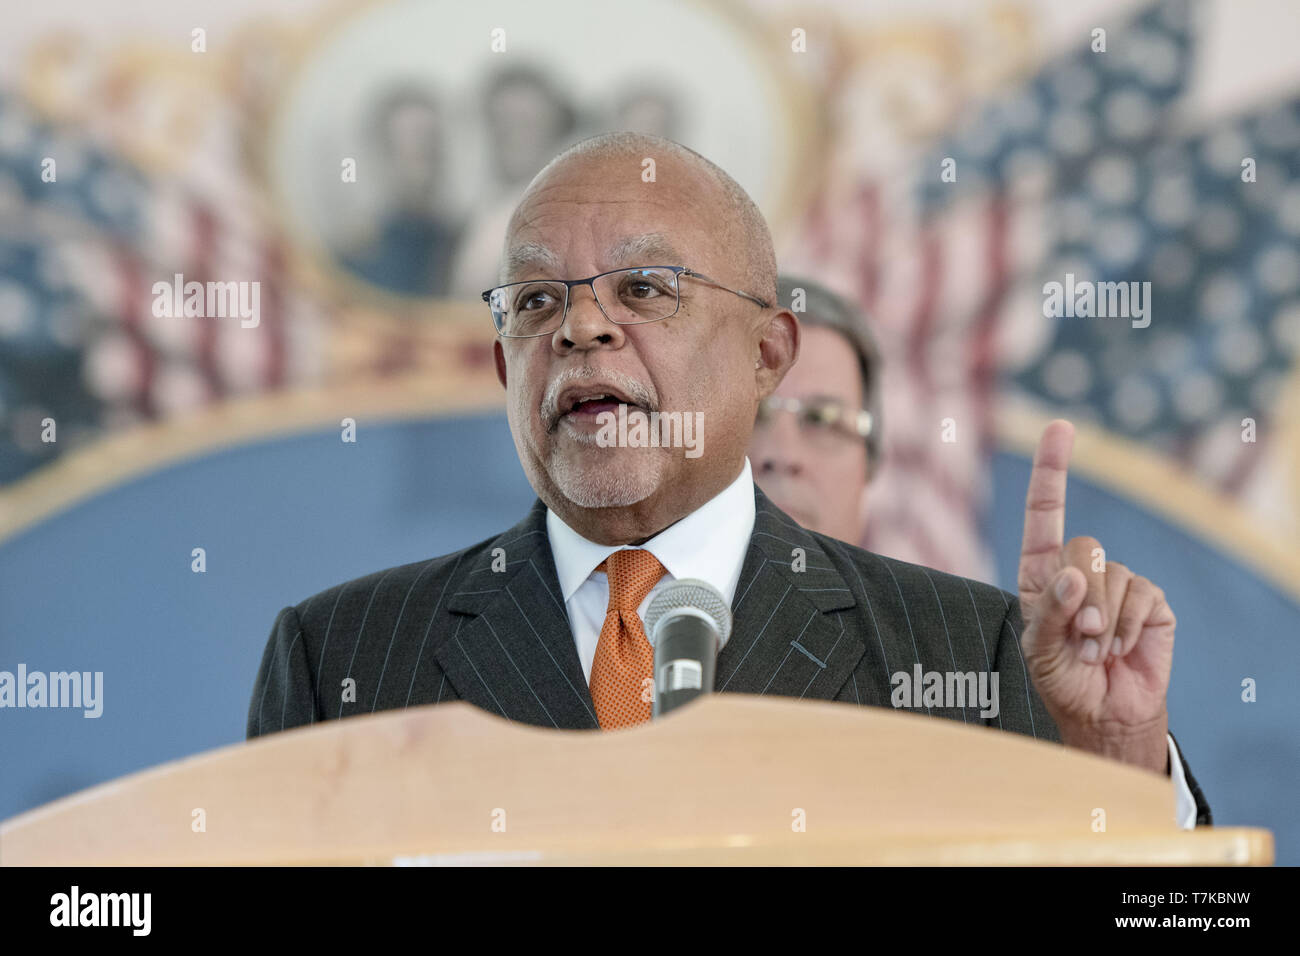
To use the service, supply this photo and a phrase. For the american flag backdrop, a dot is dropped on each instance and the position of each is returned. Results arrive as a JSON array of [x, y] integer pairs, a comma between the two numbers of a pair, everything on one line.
[[78, 259], [1083, 164], [1085, 167]]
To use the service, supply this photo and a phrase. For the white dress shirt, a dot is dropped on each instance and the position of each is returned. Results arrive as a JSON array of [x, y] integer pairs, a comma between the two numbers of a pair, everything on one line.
[[710, 543]]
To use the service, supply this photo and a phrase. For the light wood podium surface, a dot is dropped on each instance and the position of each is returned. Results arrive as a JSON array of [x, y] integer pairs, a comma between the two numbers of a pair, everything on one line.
[[731, 779]]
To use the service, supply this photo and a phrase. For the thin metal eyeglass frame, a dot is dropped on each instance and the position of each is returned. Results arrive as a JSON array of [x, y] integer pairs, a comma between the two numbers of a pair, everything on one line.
[[678, 272], [857, 424]]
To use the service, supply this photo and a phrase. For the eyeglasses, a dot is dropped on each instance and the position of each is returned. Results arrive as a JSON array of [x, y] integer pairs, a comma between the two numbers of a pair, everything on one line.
[[821, 418], [522, 310]]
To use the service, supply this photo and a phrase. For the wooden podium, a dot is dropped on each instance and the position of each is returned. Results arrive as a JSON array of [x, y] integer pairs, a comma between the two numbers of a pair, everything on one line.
[[731, 779]]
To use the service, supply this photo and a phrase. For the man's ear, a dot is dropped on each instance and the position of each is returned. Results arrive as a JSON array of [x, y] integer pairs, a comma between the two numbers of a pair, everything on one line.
[[778, 348], [499, 356]]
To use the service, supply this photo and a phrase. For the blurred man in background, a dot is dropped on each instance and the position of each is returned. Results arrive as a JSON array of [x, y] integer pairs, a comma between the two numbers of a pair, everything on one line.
[[528, 119], [817, 439], [528, 116], [412, 245], [649, 107]]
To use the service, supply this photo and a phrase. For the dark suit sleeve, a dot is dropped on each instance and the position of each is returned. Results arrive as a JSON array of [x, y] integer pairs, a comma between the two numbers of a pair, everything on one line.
[[1203, 816], [284, 692], [1022, 710]]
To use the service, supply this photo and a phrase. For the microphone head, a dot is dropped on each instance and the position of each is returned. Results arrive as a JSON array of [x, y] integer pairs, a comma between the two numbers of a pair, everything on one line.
[[700, 597]]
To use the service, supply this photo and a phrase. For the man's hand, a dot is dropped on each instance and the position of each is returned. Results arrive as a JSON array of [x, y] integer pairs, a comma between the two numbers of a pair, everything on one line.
[[1099, 639]]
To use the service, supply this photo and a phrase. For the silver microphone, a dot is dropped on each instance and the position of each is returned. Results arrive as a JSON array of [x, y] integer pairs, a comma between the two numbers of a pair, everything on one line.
[[688, 623]]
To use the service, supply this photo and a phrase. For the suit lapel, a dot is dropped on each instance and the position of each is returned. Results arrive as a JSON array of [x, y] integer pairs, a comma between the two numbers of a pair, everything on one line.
[[786, 637], [511, 648]]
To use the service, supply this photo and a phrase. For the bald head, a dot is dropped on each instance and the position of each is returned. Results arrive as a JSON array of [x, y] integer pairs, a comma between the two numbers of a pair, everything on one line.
[[738, 227]]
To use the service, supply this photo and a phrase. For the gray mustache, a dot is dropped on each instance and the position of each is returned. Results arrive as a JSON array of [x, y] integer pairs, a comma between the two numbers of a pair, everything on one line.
[[586, 375]]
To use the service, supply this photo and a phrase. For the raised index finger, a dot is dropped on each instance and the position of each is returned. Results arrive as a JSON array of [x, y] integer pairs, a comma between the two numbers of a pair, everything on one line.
[[1045, 499]]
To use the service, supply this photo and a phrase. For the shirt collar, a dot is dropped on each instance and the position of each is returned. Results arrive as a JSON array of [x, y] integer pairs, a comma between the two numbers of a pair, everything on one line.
[[710, 543]]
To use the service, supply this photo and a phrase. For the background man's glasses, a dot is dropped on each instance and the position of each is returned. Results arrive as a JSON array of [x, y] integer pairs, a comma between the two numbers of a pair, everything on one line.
[[822, 419], [522, 310]]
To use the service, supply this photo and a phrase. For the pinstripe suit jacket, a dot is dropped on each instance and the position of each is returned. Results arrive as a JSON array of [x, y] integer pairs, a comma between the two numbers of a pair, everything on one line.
[[453, 628]]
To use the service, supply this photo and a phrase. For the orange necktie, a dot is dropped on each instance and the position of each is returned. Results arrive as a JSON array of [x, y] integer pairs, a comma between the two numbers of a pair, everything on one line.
[[624, 660]]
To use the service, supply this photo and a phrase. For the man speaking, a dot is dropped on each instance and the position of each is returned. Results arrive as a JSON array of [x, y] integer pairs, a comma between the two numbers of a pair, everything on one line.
[[638, 283]]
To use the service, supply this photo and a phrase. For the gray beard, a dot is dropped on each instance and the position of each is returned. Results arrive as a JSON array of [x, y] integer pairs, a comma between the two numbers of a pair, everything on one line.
[[592, 484]]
